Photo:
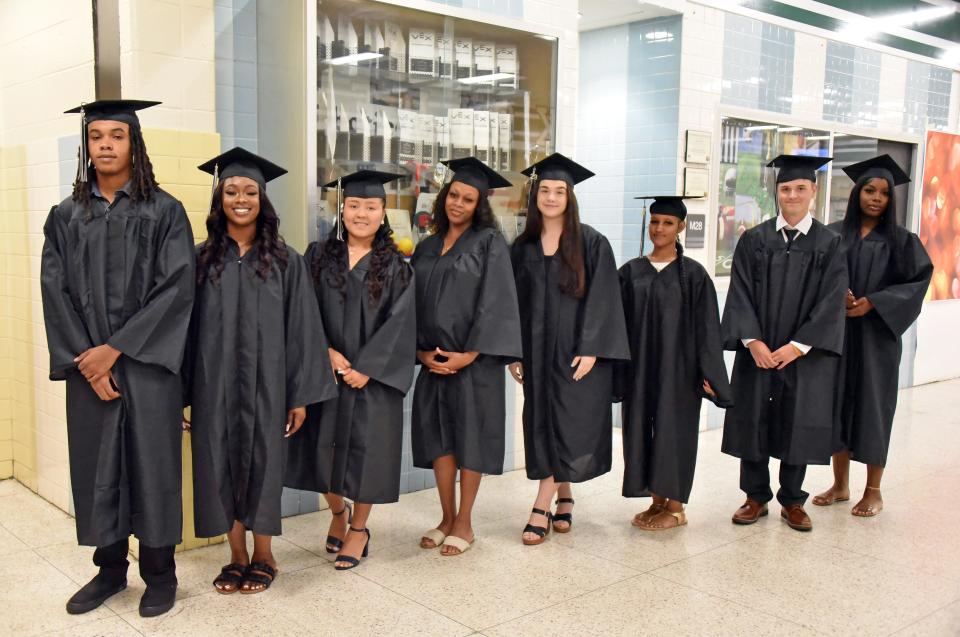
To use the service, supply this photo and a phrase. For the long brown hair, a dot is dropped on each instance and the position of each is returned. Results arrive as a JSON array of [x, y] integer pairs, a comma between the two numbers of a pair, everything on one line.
[[573, 275]]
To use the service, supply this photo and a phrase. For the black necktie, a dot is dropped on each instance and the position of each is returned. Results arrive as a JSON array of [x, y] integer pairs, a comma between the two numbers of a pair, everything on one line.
[[791, 235]]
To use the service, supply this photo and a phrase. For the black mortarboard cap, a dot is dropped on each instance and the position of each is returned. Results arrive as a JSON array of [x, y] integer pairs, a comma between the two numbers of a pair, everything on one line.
[[118, 110], [798, 167], [669, 205], [473, 172], [882, 166], [366, 184], [240, 162], [556, 166]]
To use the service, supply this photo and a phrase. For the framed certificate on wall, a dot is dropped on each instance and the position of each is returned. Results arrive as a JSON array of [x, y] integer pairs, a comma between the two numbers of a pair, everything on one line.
[[698, 147], [696, 181]]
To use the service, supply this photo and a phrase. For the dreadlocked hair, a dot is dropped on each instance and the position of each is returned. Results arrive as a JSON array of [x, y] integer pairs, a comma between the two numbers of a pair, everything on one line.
[[887, 226], [573, 273], [269, 245], [482, 216], [331, 262], [143, 183]]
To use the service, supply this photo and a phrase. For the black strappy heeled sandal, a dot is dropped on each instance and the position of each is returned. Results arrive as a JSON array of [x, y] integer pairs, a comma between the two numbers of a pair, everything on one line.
[[539, 531], [336, 542], [563, 517], [353, 562], [258, 573]]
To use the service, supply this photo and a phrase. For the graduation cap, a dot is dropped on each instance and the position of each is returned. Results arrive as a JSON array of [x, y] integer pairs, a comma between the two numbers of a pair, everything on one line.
[[882, 166], [365, 184], [473, 172], [240, 162], [669, 205], [556, 166], [115, 110], [798, 167]]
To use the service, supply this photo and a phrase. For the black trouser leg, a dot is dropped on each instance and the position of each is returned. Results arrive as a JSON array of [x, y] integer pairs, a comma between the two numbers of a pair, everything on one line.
[[157, 565], [791, 484], [755, 480], [112, 560]]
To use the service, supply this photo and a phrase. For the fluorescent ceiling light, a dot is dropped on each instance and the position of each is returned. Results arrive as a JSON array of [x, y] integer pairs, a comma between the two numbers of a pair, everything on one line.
[[951, 55], [484, 79], [873, 26], [662, 36], [354, 58], [789, 129], [763, 127]]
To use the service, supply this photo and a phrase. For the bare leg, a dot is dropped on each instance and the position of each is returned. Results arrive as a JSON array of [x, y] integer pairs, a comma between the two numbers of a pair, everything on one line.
[[548, 489], [340, 515], [262, 553], [463, 525], [840, 491], [445, 471], [237, 537], [872, 502], [353, 545], [564, 490]]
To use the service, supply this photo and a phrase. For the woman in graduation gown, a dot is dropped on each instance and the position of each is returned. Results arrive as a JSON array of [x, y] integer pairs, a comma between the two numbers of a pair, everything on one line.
[[248, 375], [889, 275], [468, 329], [572, 325], [673, 325], [352, 445]]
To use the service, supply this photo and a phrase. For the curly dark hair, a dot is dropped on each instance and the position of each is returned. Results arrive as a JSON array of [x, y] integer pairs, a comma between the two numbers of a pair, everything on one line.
[[573, 273], [482, 216], [331, 262], [852, 221], [268, 243], [143, 183]]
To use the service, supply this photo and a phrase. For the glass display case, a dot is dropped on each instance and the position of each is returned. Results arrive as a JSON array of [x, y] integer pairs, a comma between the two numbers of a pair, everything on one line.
[[399, 90]]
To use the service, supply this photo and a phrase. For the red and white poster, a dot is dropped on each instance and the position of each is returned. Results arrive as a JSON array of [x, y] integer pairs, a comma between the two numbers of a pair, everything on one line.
[[940, 213]]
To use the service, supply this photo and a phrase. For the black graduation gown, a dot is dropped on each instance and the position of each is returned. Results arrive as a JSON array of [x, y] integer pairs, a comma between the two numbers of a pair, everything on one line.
[[567, 424], [125, 277], [466, 302], [871, 350], [256, 350], [352, 446], [779, 295], [674, 345]]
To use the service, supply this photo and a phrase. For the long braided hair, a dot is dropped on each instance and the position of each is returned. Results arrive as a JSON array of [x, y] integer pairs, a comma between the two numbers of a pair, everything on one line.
[[573, 273], [331, 262], [269, 245], [853, 221], [143, 183]]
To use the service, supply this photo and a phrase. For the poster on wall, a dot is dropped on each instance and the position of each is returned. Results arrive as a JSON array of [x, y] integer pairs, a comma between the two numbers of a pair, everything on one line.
[[940, 214]]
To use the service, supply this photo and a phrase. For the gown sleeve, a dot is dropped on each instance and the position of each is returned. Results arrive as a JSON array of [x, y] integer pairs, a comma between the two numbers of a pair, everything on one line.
[[899, 305], [623, 370], [388, 356], [156, 334], [496, 325], [603, 332], [824, 327], [66, 333], [709, 345], [309, 375], [739, 316]]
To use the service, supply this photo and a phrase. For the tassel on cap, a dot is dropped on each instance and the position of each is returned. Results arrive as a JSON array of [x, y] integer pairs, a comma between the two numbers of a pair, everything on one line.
[[339, 210], [82, 168]]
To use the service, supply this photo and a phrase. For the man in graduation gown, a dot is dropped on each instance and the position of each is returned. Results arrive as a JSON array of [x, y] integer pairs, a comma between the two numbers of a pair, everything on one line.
[[117, 282], [784, 317]]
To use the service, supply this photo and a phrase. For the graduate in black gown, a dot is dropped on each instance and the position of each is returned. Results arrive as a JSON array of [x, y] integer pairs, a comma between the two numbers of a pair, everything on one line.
[[116, 279], [889, 275], [676, 360], [255, 358], [784, 317], [468, 329], [351, 447], [572, 324]]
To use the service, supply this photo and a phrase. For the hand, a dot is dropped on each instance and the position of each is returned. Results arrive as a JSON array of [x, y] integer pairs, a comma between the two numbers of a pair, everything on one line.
[[860, 307], [185, 424], [295, 418], [708, 388], [583, 364], [338, 362], [96, 362], [429, 360], [761, 355], [516, 370], [355, 379], [105, 388], [458, 360], [786, 355], [851, 300]]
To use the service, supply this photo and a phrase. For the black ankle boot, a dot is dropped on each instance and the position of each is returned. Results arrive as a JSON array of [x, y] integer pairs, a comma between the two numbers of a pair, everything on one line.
[[94, 593], [158, 599]]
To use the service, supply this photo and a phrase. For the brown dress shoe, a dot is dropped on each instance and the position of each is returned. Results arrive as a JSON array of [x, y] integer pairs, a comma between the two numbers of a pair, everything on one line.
[[796, 518], [750, 512]]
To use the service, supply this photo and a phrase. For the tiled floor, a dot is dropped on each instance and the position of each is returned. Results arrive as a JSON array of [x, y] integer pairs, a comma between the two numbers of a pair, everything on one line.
[[898, 573]]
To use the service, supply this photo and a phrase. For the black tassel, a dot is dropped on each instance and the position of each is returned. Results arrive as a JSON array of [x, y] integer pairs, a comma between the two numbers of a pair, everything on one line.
[[83, 169]]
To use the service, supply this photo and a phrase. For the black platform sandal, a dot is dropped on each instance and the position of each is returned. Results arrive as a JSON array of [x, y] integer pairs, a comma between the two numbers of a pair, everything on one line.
[[230, 575], [563, 517], [539, 531], [336, 542], [258, 573], [353, 562]]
